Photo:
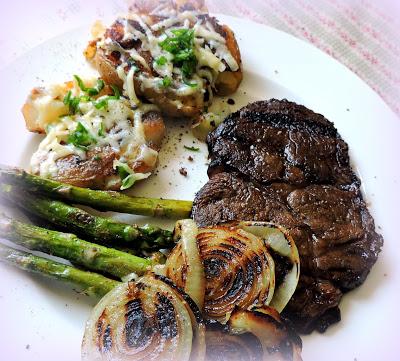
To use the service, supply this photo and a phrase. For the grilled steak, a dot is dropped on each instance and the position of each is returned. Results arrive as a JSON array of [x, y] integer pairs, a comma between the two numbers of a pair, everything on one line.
[[278, 161]]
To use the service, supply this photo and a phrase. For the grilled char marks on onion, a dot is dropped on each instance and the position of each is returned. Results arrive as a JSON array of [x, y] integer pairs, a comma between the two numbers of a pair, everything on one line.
[[286, 257], [239, 271], [222, 346], [150, 319], [184, 265], [104, 335], [279, 342]]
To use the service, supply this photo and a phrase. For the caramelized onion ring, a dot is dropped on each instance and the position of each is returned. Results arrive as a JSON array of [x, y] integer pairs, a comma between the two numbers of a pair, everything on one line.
[[239, 271], [223, 346], [150, 319], [282, 244], [184, 265], [278, 342]]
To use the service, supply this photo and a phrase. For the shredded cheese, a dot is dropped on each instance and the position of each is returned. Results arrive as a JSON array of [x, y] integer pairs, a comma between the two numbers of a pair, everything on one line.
[[207, 58], [211, 51], [129, 85], [116, 126]]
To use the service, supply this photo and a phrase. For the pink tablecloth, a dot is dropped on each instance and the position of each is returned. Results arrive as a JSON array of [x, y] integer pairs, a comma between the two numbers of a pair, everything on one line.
[[362, 34]]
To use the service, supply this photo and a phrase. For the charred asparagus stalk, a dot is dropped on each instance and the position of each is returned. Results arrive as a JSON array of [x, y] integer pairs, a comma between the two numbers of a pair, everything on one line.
[[90, 283], [70, 247], [101, 200], [101, 230]]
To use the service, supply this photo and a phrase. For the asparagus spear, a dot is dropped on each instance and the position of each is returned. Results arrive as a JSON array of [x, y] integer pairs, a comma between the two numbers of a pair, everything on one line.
[[102, 230], [91, 283], [101, 200], [70, 247]]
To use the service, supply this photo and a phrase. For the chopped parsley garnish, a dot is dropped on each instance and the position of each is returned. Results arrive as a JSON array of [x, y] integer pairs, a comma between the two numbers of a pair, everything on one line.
[[103, 103], [192, 85], [72, 102], [117, 93], [127, 175], [81, 138], [101, 132], [85, 98], [193, 149], [162, 60], [166, 82], [90, 91], [123, 170], [181, 46], [128, 182]]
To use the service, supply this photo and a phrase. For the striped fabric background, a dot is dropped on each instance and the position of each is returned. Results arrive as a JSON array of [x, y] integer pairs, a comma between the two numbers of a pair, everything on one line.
[[362, 34]]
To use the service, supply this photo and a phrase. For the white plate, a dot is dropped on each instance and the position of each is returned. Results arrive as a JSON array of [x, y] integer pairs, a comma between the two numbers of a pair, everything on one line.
[[43, 320]]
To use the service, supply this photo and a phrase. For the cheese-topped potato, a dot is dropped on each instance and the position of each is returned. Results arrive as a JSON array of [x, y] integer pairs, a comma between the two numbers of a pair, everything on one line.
[[171, 53], [94, 137]]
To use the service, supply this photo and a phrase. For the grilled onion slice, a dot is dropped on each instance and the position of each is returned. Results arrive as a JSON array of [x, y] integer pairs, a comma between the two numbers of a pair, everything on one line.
[[184, 265], [150, 319], [222, 346], [278, 341], [239, 270], [287, 269]]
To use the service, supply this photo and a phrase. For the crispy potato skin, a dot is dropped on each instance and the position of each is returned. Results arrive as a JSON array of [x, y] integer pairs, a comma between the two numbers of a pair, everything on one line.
[[94, 172], [36, 122], [104, 66], [190, 105], [154, 129], [228, 81], [29, 114]]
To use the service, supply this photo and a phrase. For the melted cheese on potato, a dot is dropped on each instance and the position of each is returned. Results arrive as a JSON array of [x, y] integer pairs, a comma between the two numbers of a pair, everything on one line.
[[44, 105], [210, 48], [116, 126]]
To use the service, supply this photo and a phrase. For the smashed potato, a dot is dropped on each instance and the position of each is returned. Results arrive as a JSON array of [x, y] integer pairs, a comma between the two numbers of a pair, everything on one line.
[[171, 53]]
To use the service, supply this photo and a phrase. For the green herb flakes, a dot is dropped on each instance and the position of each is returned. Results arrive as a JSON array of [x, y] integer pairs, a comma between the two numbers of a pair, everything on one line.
[[123, 169], [162, 60], [101, 132], [181, 46], [127, 175], [102, 103], [81, 138], [192, 149], [128, 182], [166, 82], [90, 91], [192, 85], [117, 93], [72, 102]]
